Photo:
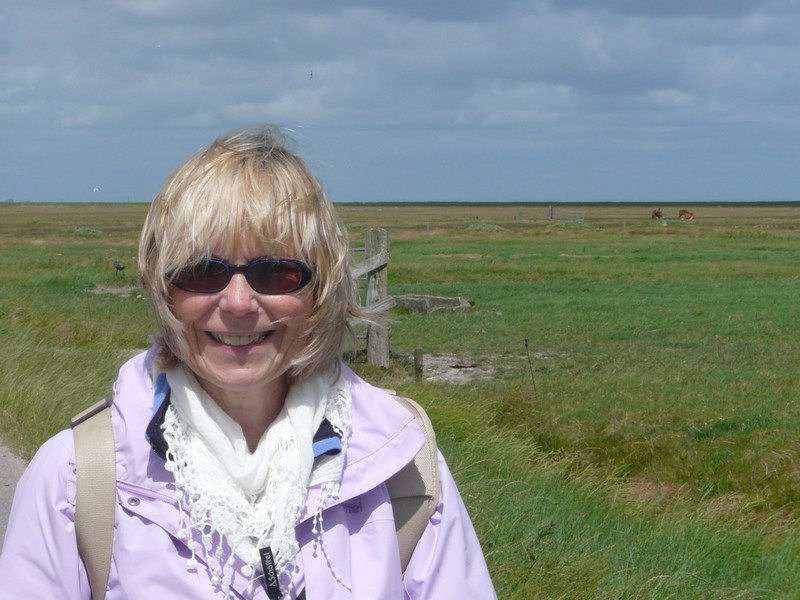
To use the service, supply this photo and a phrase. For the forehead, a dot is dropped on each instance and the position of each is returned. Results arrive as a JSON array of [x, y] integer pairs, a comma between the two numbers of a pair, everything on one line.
[[251, 247]]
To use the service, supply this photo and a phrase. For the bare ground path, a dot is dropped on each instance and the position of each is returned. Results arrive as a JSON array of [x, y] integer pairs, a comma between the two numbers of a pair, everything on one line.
[[11, 467]]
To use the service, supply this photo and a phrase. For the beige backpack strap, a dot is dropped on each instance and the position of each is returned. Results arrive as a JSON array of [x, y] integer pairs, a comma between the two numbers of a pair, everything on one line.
[[95, 503], [414, 490]]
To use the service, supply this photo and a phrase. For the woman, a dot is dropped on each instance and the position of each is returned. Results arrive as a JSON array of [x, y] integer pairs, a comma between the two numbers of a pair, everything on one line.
[[243, 445]]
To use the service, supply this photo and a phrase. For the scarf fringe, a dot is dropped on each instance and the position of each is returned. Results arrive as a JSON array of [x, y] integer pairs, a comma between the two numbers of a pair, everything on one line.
[[228, 506], [318, 529]]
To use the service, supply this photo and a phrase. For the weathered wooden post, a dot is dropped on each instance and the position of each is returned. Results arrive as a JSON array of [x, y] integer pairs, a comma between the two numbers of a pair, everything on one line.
[[376, 244]]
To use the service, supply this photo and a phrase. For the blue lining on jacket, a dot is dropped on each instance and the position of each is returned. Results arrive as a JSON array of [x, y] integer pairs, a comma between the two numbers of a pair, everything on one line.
[[327, 440]]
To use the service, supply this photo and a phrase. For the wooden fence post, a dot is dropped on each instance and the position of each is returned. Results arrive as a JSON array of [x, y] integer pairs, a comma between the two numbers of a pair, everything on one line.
[[418, 363], [376, 243]]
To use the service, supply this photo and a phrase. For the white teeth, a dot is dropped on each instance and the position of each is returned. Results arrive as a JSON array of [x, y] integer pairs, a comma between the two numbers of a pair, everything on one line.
[[239, 340]]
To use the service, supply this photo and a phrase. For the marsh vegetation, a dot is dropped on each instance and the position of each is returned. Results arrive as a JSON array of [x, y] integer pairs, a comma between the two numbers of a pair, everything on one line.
[[644, 446]]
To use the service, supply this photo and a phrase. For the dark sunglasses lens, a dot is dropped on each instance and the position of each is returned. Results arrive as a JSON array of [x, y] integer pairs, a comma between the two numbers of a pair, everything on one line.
[[206, 276], [275, 277]]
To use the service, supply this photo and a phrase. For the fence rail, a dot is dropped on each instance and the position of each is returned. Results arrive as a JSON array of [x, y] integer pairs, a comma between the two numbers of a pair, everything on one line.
[[561, 214], [375, 269]]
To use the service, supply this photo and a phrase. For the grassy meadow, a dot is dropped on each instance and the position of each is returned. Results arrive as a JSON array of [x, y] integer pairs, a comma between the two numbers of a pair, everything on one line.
[[644, 444]]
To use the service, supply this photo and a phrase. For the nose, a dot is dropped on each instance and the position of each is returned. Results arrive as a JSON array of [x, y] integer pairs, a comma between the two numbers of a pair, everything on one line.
[[238, 297]]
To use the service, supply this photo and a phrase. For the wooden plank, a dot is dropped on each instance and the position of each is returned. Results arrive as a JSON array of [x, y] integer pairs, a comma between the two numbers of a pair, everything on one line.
[[368, 265], [376, 242]]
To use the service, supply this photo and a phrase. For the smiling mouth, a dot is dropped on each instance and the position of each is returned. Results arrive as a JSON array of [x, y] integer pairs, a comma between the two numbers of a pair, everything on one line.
[[239, 340]]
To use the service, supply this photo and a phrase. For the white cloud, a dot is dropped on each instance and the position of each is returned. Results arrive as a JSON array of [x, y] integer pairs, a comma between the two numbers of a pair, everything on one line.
[[82, 115], [670, 99], [522, 104]]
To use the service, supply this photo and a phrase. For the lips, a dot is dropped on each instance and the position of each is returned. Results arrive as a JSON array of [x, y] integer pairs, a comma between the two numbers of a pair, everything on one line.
[[239, 340]]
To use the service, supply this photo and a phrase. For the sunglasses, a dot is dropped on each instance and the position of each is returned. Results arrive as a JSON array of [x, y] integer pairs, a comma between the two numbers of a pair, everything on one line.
[[265, 275]]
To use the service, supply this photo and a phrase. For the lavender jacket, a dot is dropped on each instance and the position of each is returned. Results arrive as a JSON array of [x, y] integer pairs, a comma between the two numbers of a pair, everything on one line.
[[359, 544]]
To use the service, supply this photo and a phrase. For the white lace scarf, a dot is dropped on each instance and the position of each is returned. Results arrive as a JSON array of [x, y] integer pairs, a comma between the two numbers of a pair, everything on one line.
[[249, 500]]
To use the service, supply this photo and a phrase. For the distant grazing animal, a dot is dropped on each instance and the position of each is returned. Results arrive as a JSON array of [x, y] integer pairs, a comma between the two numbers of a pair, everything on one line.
[[119, 266], [657, 214], [685, 215]]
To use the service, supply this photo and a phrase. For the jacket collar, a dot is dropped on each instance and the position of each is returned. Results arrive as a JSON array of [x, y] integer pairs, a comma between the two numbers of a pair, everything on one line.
[[327, 442], [384, 436]]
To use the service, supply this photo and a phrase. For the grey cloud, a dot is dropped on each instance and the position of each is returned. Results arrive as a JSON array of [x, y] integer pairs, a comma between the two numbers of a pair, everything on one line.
[[672, 8], [526, 77], [433, 10]]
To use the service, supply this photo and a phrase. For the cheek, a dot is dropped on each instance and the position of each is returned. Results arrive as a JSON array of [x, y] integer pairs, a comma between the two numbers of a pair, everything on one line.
[[186, 306], [178, 302], [188, 309], [297, 310]]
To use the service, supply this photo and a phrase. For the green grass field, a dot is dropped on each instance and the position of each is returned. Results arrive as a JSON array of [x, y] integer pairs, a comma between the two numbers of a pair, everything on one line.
[[644, 446]]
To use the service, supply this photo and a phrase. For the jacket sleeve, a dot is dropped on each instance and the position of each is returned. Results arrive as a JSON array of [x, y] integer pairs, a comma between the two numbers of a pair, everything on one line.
[[40, 555], [448, 562]]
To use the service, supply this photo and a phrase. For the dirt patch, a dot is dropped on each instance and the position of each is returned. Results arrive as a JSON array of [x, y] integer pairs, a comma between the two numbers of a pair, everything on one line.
[[464, 368], [468, 256], [644, 490], [587, 256], [117, 291], [461, 369], [449, 368]]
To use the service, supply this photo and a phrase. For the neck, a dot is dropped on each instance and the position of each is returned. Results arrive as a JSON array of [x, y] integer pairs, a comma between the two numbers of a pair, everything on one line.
[[253, 410]]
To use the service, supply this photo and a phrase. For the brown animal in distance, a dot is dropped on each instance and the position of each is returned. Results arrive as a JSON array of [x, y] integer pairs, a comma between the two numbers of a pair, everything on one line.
[[685, 215], [657, 214]]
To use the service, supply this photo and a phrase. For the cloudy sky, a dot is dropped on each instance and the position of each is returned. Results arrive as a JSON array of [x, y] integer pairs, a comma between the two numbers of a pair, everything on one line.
[[401, 100]]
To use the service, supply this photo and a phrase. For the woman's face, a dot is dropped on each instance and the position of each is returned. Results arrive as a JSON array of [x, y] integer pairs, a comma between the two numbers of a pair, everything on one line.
[[241, 342]]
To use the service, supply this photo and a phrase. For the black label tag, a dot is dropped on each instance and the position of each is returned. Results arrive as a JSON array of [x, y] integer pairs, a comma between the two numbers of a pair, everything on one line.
[[270, 573]]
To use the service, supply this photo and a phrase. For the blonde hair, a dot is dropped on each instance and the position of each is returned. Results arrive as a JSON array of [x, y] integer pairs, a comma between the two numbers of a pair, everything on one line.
[[248, 188]]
